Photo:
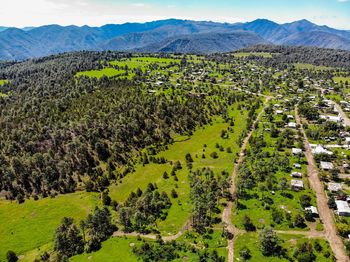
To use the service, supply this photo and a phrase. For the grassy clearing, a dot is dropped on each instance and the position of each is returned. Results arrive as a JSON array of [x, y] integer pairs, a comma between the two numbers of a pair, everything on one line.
[[251, 240], [339, 79], [2, 82], [114, 249], [310, 66], [109, 72], [261, 54], [209, 135], [32, 224]]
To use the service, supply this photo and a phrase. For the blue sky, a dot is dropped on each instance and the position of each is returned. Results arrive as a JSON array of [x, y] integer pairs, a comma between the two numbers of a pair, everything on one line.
[[20, 13]]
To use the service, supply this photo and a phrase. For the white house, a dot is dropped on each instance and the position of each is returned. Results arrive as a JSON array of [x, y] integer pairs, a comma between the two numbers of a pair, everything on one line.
[[297, 174], [334, 187], [297, 151], [297, 184], [313, 210], [292, 125], [326, 165], [297, 166], [321, 150], [343, 208]]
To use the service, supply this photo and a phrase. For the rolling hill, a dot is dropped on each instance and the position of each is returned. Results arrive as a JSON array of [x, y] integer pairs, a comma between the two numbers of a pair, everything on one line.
[[165, 35]]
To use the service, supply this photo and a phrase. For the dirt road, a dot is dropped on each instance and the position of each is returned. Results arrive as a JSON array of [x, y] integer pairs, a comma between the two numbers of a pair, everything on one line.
[[226, 216], [325, 213], [343, 115]]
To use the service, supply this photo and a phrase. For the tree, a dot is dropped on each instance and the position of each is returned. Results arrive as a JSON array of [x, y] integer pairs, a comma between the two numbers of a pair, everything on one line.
[[174, 193], [304, 252], [245, 253], [299, 221], [67, 239], [248, 224], [269, 242], [283, 184], [11, 256], [106, 199]]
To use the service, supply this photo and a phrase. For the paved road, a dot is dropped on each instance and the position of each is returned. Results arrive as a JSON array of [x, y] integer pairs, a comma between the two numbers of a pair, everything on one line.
[[325, 213]]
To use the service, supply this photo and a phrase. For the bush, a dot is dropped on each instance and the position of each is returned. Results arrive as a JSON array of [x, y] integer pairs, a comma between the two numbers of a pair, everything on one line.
[[214, 155], [11, 256]]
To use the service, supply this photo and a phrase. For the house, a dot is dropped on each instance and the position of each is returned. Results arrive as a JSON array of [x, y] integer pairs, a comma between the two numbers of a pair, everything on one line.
[[297, 151], [279, 112], [321, 150], [292, 125], [297, 174], [297, 184], [313, 210], [290, 117], [297, 166], [334, 187], [326, 165], [343, 208]]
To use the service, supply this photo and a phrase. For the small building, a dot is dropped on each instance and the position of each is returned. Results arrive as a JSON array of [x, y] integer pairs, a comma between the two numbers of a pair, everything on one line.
[[297, 151], [292, 125], [290, 117], [321, 150], [297, 166], [297, 174], [343, 208], [313, 210], [279, 112], [297, 184], [334, 187], [326, 165]]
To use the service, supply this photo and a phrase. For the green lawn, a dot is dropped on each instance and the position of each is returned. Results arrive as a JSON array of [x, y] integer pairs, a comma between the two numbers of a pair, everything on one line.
[[2, 82], [33, 223], [251, 240], [209, 135], [339, 79], [310, 66], [114, 249], [262, 54], [109, 72]]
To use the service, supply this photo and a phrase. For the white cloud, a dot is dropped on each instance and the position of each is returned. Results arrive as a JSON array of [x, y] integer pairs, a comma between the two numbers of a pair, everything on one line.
[[343, 1]]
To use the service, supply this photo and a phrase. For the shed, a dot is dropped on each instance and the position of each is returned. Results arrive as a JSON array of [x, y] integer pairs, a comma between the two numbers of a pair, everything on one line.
[[296, 174], [334, 187], [326, 165], [297, 184], [343, 208], [313, 210], [297, 151]]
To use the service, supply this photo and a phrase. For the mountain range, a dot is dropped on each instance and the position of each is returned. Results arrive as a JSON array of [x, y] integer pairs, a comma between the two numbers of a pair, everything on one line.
[[171, 35]]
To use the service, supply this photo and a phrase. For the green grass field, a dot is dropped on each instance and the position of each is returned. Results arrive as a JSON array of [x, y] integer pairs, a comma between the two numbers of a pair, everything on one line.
[[309, 66], [32, 224], [2, 82], [262, 54], [209, 135], [114, 249], [251, 240], [339, 79]]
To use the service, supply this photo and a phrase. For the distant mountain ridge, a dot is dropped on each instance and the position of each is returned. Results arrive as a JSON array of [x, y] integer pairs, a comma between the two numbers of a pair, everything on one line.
[[171, 35]]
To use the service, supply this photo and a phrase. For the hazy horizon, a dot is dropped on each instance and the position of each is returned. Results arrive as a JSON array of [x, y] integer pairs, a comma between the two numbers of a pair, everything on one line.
[[34, 13]]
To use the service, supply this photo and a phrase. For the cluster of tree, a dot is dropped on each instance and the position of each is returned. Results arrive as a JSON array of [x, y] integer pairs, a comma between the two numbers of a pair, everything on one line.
[[56, 129], [298, 54], [169, 251], [206, 190], [142, 209], [69, 240]]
